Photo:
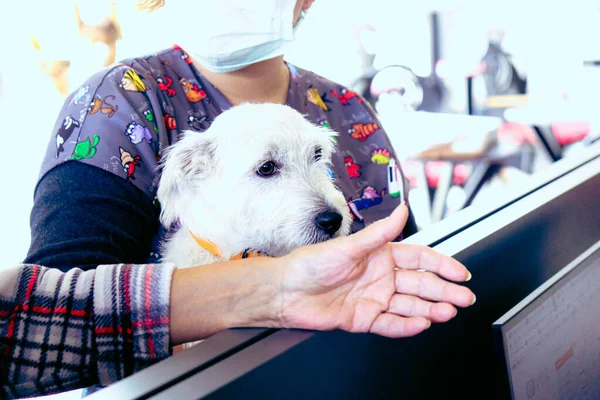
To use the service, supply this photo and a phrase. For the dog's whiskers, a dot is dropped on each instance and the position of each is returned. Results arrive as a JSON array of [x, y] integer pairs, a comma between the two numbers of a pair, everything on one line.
[[210, 183]]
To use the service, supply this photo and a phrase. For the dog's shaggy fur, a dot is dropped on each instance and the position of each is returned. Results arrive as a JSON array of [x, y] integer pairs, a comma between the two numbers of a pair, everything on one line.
[[218, 185]]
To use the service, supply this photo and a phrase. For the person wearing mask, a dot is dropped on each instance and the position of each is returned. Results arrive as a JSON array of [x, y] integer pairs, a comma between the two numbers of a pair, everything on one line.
[[92, 304]]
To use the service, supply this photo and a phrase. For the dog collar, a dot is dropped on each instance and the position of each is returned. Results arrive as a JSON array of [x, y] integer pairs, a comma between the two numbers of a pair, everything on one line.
[[214, 250]]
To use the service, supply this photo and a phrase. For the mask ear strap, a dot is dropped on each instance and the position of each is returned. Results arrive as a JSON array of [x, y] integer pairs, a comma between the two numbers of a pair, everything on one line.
[[303, 15], [302, 18]]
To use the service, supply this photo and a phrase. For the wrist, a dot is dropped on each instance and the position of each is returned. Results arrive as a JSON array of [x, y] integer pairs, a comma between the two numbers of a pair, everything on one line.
[[256, 299], [236, 294]]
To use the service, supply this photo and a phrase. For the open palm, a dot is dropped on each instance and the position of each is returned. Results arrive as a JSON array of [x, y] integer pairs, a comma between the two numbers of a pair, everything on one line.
[[364, 283]]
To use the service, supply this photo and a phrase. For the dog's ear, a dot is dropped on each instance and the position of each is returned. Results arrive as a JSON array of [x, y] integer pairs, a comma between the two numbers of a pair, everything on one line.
[[183, 165]]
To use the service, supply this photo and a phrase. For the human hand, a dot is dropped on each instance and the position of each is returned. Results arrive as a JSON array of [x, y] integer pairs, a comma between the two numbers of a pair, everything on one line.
[[365, 283]]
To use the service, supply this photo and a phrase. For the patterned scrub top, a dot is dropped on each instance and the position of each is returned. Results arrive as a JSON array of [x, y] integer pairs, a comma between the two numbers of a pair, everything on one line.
[[122, 118]]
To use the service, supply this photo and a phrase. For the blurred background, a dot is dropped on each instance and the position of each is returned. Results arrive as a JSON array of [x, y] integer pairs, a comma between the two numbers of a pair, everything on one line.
[[477, 96]]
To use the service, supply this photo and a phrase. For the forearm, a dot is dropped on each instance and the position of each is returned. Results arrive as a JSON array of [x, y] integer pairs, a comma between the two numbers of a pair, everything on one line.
[[61, 331], [235, 294], [129, 316]]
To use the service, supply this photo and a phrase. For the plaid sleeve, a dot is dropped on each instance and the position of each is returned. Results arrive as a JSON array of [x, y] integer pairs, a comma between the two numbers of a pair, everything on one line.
[[62, 331]]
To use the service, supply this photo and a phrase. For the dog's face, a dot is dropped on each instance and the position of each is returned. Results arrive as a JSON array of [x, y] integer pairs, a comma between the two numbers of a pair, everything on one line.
[[258, 178]]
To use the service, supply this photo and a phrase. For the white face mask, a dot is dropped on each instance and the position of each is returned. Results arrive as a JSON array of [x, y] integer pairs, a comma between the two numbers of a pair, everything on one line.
[[232, 34]]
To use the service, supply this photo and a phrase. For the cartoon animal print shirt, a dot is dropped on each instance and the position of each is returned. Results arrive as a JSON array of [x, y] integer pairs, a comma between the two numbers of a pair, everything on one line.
[[123, 118]]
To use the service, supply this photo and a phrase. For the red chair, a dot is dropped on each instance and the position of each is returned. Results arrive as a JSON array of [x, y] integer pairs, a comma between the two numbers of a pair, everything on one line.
[[567, 133]]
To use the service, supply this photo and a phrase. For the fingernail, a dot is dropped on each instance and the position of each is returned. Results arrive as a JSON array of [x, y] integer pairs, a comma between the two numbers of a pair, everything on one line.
[[428, 324], [468, 276], [474, 299], [455, 313]]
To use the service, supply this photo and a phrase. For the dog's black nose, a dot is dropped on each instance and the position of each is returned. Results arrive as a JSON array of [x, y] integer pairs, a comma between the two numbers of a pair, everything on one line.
[[329, 222]]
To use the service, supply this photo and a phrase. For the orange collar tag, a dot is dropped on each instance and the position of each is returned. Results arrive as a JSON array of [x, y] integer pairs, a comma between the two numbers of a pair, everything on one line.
[[212, 249], [207, 245]]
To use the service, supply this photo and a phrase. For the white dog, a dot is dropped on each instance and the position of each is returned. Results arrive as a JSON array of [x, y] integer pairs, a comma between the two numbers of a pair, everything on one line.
[[256, 182]]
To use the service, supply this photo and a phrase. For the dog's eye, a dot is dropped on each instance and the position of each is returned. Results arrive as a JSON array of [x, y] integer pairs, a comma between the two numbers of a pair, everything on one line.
[[318, 154], [267, 169]]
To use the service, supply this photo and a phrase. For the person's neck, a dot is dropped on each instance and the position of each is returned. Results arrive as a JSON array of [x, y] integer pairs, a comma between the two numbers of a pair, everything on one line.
[[264, 82]]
